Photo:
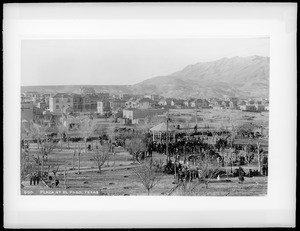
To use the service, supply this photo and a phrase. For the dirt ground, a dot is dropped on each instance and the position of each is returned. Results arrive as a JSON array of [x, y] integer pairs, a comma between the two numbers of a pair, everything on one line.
[[252, 186], [118, 179]]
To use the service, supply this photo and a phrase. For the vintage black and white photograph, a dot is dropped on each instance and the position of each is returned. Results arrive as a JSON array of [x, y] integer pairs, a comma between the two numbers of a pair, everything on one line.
[[164, 117], [149, 115]]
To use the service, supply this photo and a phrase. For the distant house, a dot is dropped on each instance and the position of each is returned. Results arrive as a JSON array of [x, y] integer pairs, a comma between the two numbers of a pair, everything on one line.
[[259, 107], [266, 107], [201, 103], [225, 104], [192, 103], [132, 103], [162, 102], [218, 103], [186, 103], [232, 104], [179, 103], [248, 108]]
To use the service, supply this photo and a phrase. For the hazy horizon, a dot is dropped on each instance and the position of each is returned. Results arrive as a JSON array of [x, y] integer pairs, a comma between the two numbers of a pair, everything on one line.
[[124, 61]]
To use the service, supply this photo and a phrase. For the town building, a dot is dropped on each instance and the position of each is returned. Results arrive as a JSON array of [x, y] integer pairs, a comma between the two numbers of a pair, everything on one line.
[[103, 96], [117, 104], [30, 113], [132, 103], [42, 105], [89, 103], [77, 102], [248, 108], [60, 100], [103, 107], [135, 115]]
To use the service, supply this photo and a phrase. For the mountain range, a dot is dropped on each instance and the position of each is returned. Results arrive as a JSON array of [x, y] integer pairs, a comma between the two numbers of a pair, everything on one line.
[[245, 77], [236, 77]]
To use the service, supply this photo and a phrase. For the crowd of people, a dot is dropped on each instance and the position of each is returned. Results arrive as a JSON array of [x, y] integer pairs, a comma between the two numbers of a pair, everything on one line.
[[184, 148]]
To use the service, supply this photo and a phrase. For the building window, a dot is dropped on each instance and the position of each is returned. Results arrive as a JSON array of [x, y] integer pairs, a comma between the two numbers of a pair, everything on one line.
[[57, 106], [69, 100], [57, 100]]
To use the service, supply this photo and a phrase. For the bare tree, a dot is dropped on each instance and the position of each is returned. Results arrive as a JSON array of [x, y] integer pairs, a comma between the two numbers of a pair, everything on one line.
[[62, 131], [100, 156], [248, 129], [207, 170], [135, 147], [29, 164], [45, 145], [249, 153], [111, 134], [87, 128], [148, 174], [149, 122]]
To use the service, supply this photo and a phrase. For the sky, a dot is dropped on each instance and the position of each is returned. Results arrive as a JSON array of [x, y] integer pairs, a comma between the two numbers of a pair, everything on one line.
[[123, 61]]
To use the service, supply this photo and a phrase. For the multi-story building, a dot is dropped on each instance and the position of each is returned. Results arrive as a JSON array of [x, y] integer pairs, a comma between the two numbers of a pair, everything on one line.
[[127, 97], [77, 103], [90, 103], [103, 96], [117, 104], [134, 115], [103, 107], [60, 100]]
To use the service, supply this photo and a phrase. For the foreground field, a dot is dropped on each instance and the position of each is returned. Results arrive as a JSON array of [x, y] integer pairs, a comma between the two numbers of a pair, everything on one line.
[[124, 182], [118, 179], [254, 186]]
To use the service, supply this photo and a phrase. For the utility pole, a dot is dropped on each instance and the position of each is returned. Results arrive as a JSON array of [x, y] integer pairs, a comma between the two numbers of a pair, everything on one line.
[[65, 177], [196, 112], [79, 152], [167, 137]]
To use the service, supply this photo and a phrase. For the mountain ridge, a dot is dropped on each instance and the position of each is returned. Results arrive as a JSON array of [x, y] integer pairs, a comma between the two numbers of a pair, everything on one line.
[[246, 77], [236, 76]]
